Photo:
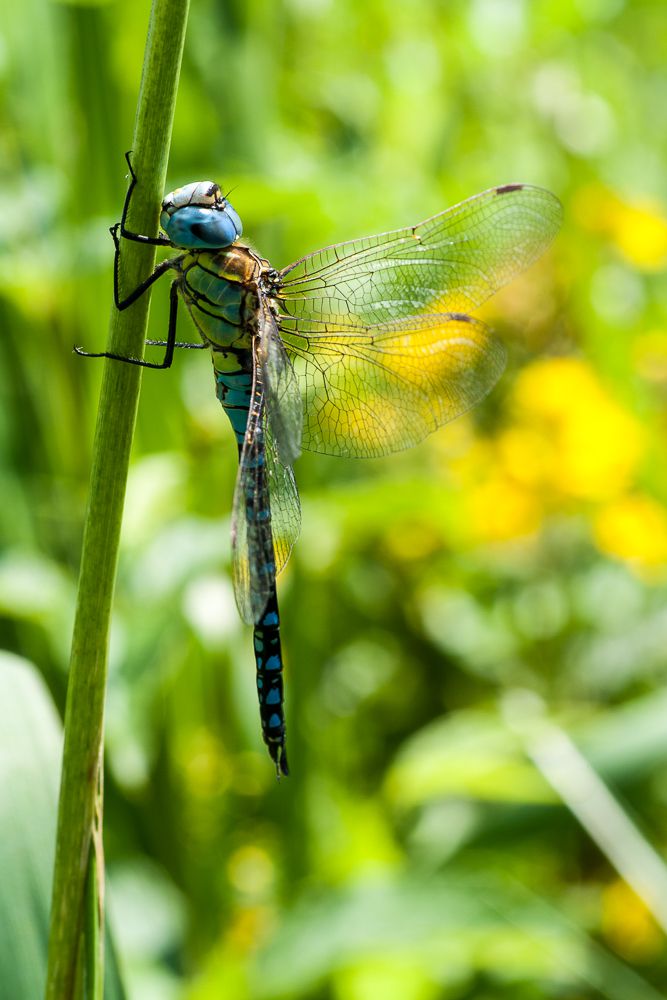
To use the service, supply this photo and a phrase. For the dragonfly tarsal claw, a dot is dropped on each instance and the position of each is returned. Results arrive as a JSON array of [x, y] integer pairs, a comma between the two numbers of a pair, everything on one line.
[[97, 354], [128, 160]]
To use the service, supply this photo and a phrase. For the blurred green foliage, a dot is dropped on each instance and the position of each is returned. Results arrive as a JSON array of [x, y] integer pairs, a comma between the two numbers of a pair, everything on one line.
[[30, 750], [417, 852]]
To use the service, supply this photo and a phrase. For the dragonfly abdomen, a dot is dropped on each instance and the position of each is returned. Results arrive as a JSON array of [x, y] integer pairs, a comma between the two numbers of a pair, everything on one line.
[[269, 660], [234, 388]]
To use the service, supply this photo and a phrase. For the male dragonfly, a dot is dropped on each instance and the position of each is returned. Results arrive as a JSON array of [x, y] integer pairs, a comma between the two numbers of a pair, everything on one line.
[[360, 349]]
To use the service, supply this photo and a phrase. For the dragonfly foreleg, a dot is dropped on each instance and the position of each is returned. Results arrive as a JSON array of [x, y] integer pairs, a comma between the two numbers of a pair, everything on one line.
[[127, 234], [120, 229], [170, 343]]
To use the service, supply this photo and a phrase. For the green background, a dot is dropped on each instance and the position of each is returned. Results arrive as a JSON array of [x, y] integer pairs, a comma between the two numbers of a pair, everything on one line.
[[462, 623]]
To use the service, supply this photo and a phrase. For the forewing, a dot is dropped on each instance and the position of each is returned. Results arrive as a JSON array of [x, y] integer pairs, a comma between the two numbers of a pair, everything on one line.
[[266, 515], [452, 262], [283, 397], [374, 390]]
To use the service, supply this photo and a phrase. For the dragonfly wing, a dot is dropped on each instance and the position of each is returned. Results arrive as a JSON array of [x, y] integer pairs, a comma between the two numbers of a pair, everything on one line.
[[452, 262], [266, 516], [378, 389], [285, 408], [284, 497], [252, 543]]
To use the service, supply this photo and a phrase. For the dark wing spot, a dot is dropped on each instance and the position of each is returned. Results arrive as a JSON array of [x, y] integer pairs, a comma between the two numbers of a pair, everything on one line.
[[506, 188]]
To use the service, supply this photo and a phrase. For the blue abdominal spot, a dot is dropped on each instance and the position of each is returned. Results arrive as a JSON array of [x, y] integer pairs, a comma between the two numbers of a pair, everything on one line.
[[235, 397]]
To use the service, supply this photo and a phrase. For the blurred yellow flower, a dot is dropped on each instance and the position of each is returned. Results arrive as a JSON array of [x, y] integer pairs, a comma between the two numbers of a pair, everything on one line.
[[500, 510], [496, 505], [628, 925], [633, 528], [638, 230], [650, 355], [523, 455], [589, 446], [568, 441], [641, 235]]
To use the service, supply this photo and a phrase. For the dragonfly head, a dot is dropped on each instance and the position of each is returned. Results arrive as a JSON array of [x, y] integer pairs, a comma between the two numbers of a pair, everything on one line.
[[198, 217]]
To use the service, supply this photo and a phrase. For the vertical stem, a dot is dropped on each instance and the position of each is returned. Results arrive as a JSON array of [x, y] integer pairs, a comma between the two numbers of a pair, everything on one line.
[[84, 717]]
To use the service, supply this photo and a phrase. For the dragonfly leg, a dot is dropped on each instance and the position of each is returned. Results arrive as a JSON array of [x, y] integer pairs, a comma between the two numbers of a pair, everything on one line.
[[120, 227], [179, 344], [122, 304], [169, 343], [118, 230]]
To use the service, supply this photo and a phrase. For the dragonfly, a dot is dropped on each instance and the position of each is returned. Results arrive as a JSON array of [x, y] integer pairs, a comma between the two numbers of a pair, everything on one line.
[[361, 349]]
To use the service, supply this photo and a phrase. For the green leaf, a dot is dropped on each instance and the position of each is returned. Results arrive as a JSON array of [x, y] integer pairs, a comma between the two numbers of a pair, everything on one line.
[[30, 750]]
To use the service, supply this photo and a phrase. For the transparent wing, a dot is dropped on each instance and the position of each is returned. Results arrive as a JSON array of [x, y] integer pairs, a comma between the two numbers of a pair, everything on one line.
[[452, 262], [374, 390], [266, 516], [284, 500], [285, 408]]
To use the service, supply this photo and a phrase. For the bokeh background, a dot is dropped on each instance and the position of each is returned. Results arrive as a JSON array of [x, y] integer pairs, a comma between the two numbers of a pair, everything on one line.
[[475, 630]]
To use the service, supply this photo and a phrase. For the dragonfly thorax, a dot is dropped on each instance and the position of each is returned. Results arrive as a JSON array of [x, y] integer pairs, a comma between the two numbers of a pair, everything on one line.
[[198, 216]]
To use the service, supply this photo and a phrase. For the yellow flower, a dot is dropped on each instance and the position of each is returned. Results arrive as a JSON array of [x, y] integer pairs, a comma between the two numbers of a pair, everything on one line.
[[589, 446], [628, 925], [640, 233], [500, 510], [495, 506], [634, 528], [524, 456], [569, 442], [638, 230], [650, 355]]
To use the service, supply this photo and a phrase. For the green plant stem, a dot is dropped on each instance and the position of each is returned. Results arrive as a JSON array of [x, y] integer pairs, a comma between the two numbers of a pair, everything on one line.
[[84, 717], [93, 961]]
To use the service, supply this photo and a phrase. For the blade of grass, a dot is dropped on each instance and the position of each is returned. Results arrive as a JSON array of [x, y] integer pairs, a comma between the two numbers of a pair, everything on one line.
[[585, 794], [119, 396]]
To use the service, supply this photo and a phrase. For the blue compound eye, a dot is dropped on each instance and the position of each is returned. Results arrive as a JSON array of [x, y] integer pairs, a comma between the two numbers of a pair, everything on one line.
[[198, 217], [235, 218], [208, 228]]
